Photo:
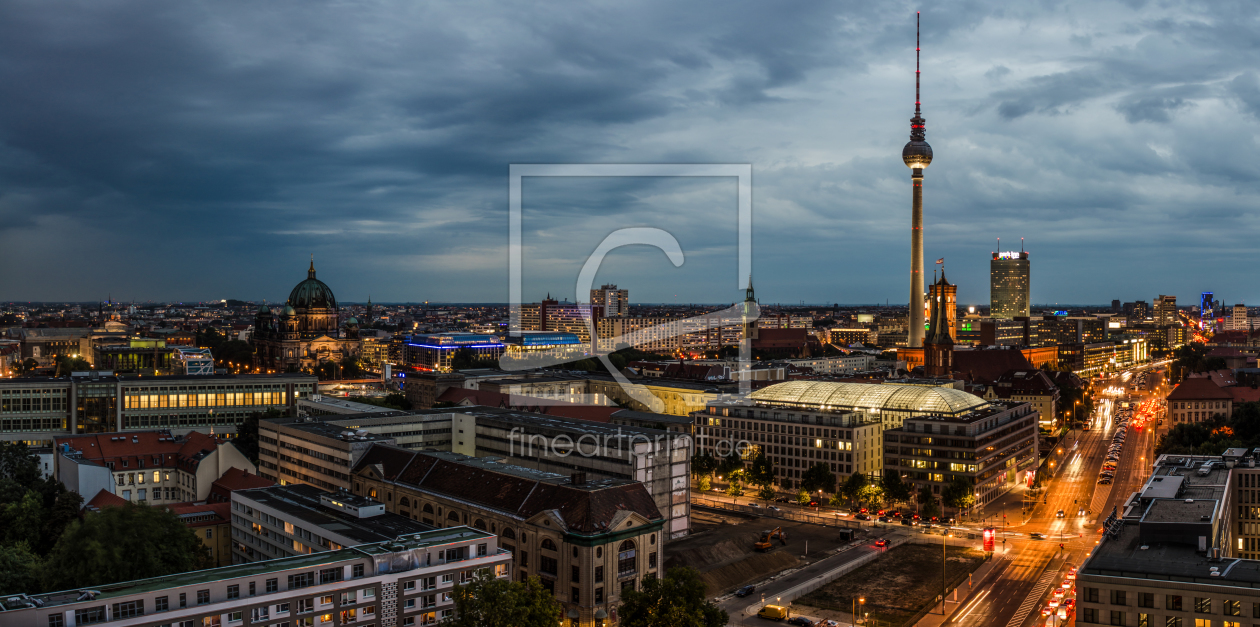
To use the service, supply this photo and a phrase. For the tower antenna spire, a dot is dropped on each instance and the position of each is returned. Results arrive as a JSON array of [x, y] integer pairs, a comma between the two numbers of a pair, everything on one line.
[[1021, 244], [916, 63]]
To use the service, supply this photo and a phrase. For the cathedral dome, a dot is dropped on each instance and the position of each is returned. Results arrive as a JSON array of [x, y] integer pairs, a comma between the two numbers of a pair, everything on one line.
[[288, 311], [312, 293]]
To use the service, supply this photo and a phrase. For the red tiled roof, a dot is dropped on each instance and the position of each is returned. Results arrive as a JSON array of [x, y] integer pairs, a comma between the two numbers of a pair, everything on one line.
[[103, 499], [235, 479], [1198, 389], [583, 510], [158, 449], [222, 512], [1244, 394], [987, 365]]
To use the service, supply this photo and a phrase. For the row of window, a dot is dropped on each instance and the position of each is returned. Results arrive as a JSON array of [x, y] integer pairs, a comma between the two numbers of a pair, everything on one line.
[[1172, 602]]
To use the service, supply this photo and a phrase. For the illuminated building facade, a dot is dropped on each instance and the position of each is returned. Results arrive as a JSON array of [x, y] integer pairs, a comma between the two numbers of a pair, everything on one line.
[[1009, 285], [306, 332], [1166, 311], [614, 301], [436, 351]]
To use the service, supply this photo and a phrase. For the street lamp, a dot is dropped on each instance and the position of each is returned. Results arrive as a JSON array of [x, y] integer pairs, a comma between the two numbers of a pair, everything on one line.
[[861, 606]]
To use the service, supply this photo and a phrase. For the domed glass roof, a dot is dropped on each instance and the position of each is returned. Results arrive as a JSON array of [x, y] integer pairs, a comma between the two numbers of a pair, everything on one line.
[[312, 293], [913, 398]]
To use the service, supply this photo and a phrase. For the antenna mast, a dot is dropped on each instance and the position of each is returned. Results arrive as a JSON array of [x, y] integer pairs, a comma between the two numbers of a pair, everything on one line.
[[916, 63]]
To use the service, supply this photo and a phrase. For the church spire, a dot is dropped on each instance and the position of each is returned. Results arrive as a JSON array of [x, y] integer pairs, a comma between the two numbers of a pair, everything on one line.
[[310, 274], [748, 293]]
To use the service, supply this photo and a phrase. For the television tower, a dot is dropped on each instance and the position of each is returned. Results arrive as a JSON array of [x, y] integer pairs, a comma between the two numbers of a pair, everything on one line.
[[918, 155]]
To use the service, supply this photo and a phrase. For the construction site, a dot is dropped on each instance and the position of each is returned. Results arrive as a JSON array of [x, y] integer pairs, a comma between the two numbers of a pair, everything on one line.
[[733, 549]]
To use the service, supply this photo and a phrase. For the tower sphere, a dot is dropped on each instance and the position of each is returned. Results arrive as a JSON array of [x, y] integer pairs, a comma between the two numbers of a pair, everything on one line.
[[917, 154]]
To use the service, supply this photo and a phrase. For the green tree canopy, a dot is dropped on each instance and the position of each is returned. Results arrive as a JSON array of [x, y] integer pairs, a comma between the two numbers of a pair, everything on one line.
[[802, 497], [761, 472], [19, 569], [676, 600], [959, 493], [852, 487], [895, 490], [766, 492], [121, 544], [704, 464], [928, 506], [818, 477], [489, 601]]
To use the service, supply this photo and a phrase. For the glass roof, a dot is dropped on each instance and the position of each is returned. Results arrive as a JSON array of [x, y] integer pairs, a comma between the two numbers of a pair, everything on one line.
[[915, 398]]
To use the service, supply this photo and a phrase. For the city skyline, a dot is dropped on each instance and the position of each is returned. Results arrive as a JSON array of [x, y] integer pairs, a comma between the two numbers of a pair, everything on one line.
[[1067, 128]]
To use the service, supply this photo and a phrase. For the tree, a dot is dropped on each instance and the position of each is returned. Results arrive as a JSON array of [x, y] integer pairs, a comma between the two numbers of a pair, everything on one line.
[[818, 477], [766, 492], [761, 472], [730, 463], [735, 489], [927, 502], [23, 520], [676, 600], [802, 497], [852, 487], [704, 464], [65, 509], [871, 493], [706, 483], [19, 569], [235, 351], [351, 368], [489, 601], [67, 364], [246, 440], [122, 543], [895, 490], [958, 494]]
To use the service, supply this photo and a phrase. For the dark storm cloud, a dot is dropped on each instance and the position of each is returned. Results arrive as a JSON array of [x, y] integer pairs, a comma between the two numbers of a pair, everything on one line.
[[203, 150]]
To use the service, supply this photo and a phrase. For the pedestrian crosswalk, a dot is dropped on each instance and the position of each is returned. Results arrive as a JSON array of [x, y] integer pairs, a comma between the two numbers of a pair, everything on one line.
[[1034, 598]]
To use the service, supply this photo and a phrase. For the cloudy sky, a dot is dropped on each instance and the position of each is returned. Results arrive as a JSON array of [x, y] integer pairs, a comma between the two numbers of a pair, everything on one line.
[[186, 151]]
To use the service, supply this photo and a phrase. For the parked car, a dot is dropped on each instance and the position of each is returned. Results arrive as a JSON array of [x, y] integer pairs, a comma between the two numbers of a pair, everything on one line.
[[800, 621], [745, 591], [883, 519], [861, 517], [754, 504], [881, 543], [775, 509]]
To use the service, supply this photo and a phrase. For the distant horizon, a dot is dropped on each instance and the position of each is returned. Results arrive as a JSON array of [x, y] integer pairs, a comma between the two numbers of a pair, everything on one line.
[[504, 304]]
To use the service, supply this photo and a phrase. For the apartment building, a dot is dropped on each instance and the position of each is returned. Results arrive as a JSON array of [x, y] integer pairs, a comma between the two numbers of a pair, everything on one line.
[[149, 467], [845, 364], [992, 447], [1027, 386], [406, 581], [282, 521], [587, 541]]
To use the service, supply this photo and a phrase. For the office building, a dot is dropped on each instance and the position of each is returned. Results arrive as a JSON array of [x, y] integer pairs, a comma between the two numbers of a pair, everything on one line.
[[149, 467], [542, 348], [36, 410], [587, 540], [1165, 311], [312, 451], [1009, 285], [283, 521], [847, 442], [435, 352], [991, 447], [614, 301], [1137, 312], [1182, 551], [629, 448], [192, 361], [405, 581], [1237, 320], [848, 337]]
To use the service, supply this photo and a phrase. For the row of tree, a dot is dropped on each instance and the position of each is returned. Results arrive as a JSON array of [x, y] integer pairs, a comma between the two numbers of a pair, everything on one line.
[[47, 543], [676, 600], [858, 490]]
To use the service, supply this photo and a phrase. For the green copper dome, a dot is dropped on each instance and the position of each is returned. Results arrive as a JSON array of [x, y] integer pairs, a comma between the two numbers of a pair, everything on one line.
[[312, 293]]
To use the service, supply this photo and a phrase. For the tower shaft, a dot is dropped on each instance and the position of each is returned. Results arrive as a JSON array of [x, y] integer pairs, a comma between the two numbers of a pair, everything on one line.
[[914, 336]]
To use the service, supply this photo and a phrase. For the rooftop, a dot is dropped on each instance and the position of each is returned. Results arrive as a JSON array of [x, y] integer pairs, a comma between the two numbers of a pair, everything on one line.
[[301, 502], [406, 542], [835, 395]]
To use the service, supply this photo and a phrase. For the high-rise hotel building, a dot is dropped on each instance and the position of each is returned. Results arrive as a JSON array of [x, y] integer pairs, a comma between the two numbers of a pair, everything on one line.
[[1008, 285]]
